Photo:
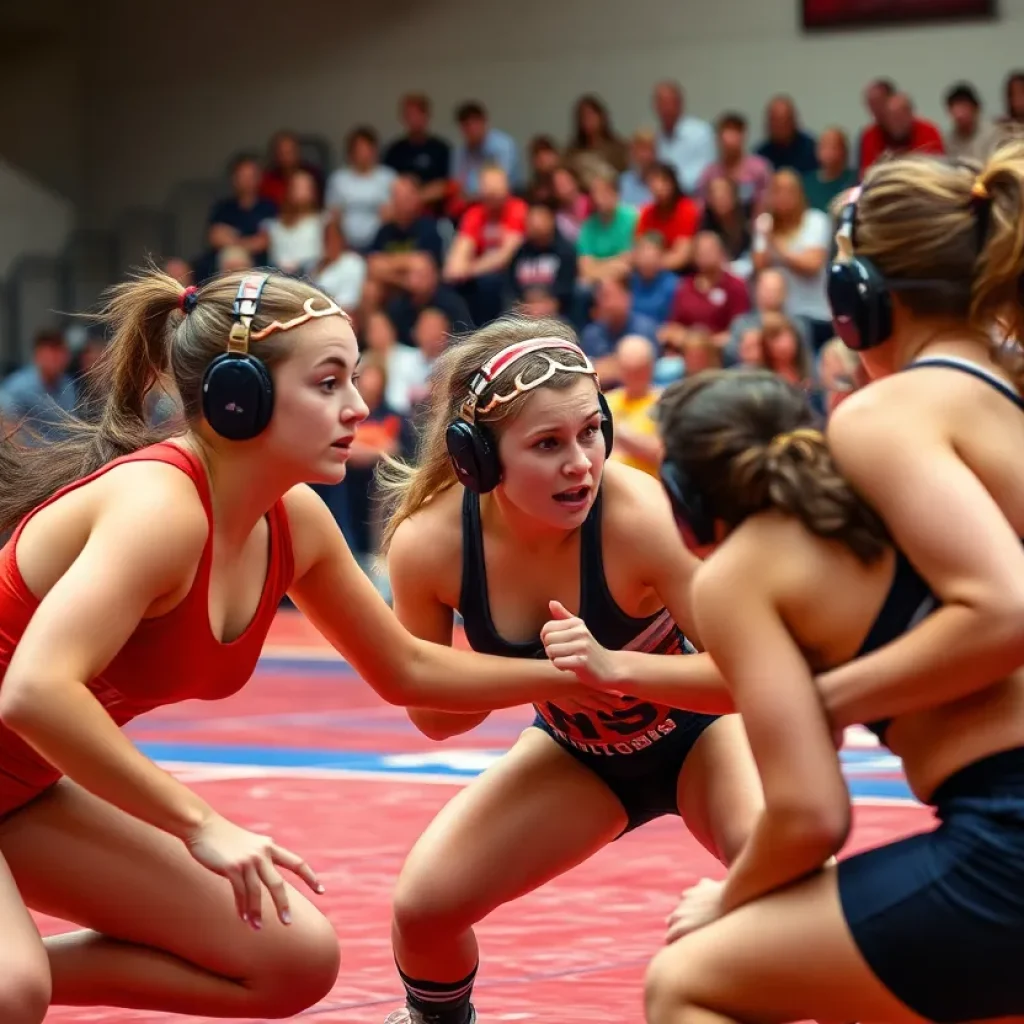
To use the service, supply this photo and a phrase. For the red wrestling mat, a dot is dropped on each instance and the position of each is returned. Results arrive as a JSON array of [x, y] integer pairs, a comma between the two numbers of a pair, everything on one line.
[[264, 759]]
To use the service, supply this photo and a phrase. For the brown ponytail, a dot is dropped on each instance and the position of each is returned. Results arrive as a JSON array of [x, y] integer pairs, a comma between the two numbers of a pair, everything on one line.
[[747, 440], [151, 338]]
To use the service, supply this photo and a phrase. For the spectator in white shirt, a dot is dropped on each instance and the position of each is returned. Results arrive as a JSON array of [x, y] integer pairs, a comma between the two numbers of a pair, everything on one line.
[[340, 272], [296, 237], [685, 142], [361, 190]]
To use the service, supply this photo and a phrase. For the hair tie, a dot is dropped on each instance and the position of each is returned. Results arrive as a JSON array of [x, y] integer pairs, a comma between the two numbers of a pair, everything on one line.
[[979, 190], [189, 299], [780, 442]]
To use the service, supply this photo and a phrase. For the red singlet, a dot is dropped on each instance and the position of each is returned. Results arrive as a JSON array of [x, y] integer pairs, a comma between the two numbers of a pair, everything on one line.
[[166, 660]]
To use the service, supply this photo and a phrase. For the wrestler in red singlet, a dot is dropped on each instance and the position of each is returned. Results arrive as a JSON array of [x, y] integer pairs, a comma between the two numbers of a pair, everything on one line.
[[156, 666]]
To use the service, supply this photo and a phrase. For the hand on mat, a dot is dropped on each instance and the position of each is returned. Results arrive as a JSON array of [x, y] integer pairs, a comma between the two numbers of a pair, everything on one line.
[[701, 904], [572, 647], [249, 862]]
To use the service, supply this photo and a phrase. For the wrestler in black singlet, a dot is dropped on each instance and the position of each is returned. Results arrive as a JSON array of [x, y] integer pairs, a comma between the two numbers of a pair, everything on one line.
[[638, 750]]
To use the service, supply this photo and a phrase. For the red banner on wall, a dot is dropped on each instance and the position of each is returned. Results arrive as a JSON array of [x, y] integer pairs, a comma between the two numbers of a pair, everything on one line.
[[835, 13]]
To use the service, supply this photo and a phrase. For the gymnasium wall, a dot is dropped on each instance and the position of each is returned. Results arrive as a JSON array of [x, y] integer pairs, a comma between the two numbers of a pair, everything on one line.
[[165, 92]]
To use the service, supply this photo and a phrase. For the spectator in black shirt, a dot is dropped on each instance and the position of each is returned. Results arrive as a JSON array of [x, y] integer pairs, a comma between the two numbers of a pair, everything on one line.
[[424, 290], [425, 157], [407, 231], [239, 220], [545, 261]]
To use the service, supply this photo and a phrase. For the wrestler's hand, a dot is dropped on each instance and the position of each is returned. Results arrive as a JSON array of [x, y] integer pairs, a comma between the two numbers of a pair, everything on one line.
[[250, 862], [571, 647], [701, 904]]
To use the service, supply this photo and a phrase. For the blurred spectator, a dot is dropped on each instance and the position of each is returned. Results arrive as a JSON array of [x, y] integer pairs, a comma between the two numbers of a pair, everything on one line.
[[340, 272], [385, 432], [750, 174], [652, 286], [544, 262], [750, 347], [240, 220], [544, 161], [482, 146], [968, 137], [489, 235], [571, 203], [358, 192], [700, 351], [180, 270], [614, 318], [1014, 99], [606, 239], [899, 131], [401, 362], [232, 258], [876, 98], [840, 374], [834, 173], [421, 288], [711, 297], [411, 389], [405, 232], [796, 240], [729, 218], [770, 296], [787, 145], [89, 388], [34, 396], [286, 160], [671, 215], [783, 353], [632, 406], [541, 303], [633, 190], [296, 235], [426, 157], [686, 143], [594, 144]]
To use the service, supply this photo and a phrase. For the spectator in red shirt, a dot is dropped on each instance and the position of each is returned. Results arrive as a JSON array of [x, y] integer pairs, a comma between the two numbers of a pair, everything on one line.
[[876, 99], [899, 132], [671, 215], [285, 160], [489, 236], [711, 298]]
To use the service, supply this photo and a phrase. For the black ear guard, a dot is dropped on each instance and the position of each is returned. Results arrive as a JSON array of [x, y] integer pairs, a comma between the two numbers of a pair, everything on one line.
[[472, 447], [688, 504], [858, 294], [238, 391], [861, 296]]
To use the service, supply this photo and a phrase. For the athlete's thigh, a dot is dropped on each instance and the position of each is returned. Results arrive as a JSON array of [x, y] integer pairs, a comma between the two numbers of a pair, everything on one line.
[[719, 790], [786, 957], [80, 859], [530, 817], [24, 971]]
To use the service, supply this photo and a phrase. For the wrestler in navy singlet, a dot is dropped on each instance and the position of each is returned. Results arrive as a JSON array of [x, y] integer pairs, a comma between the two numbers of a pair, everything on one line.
[[637, 751], [909, 599], [939, 917]]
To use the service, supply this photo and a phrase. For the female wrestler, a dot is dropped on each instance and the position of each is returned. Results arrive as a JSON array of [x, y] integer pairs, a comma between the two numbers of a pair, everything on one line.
[[809, 584], [518, 420], [139, 581]]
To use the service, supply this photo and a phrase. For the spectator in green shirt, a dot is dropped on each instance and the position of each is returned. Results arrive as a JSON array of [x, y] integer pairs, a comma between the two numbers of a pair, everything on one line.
[[834, 173], [606, 238]]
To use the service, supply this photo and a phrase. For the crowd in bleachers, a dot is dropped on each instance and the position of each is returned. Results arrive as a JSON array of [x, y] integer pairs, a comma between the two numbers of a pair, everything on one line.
[[676, 248]]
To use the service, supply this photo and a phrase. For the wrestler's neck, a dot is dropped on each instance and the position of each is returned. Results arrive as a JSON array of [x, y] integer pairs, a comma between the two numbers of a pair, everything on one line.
[[501, 519]]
